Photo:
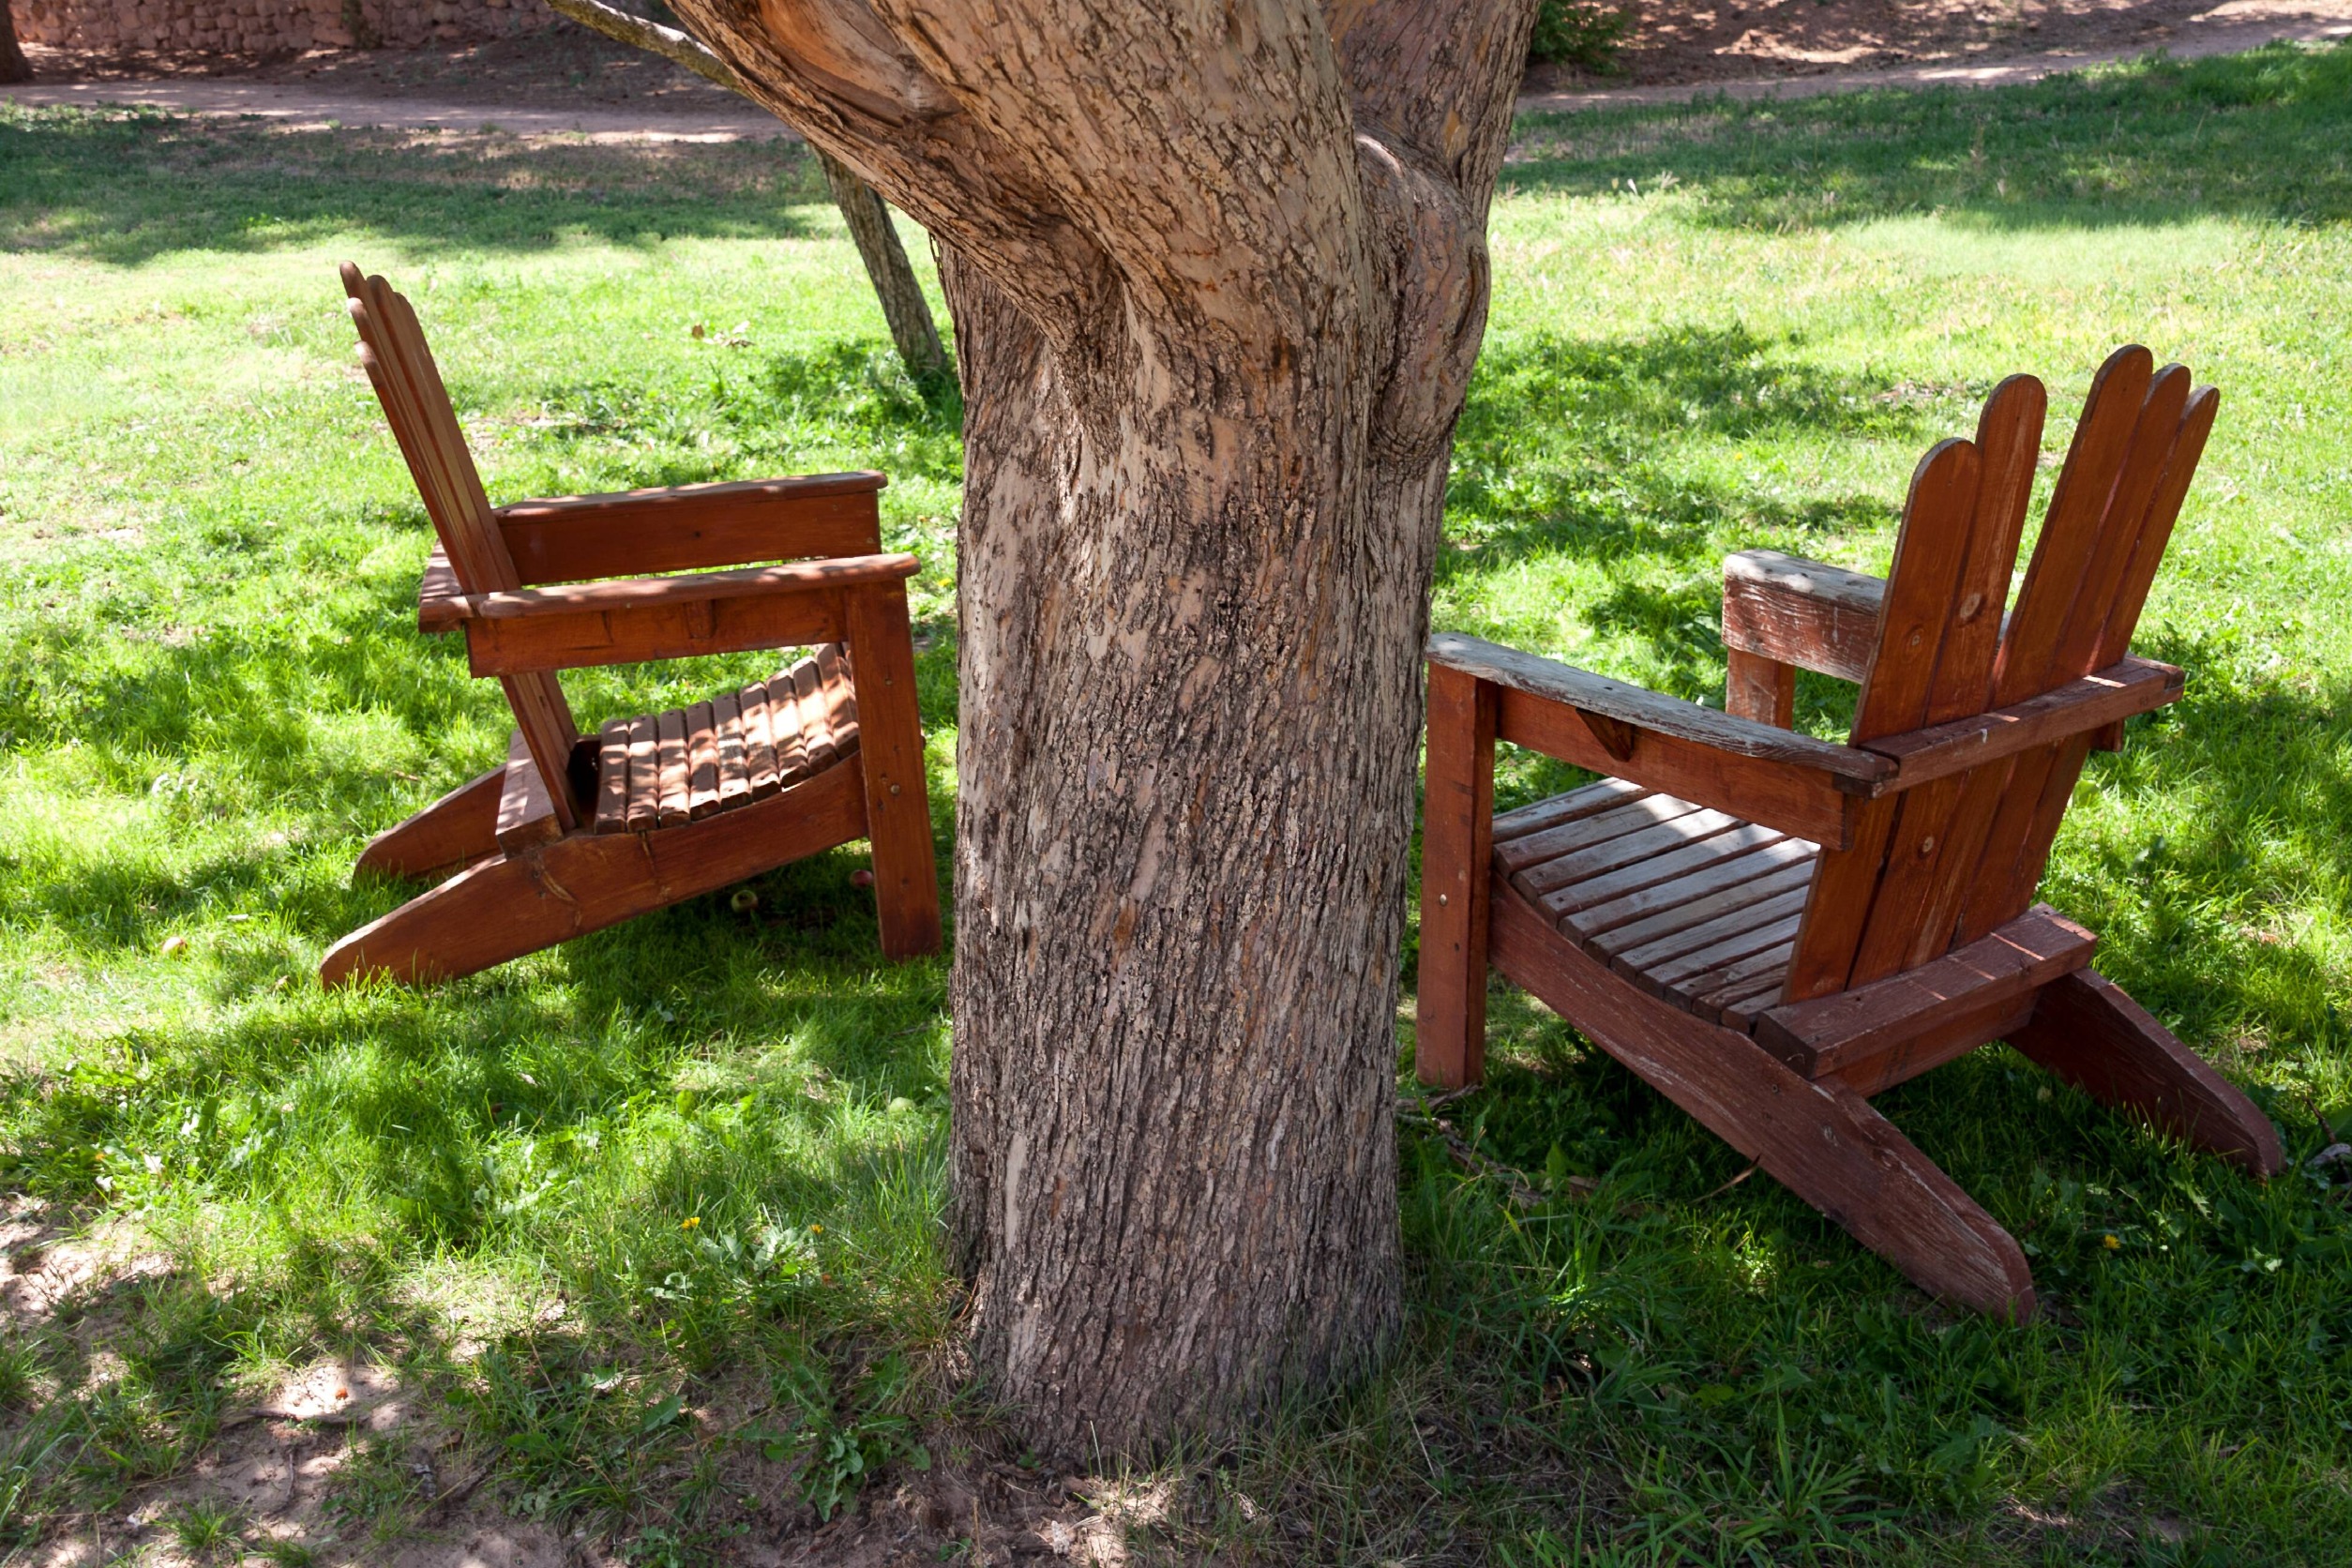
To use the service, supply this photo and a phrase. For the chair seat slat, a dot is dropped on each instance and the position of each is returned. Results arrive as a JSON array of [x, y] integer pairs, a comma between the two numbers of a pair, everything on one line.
[[1625, 850], [1593, 798], [1640, 938], [612, 777], [1600, 903], [1586, 832]]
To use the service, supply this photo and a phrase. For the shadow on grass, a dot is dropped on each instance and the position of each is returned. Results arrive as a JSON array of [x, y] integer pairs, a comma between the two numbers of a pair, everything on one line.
[[2156, 142], [2249, 777], [126, 187], [718, 1138], [1727, 1330], [1568, 448]]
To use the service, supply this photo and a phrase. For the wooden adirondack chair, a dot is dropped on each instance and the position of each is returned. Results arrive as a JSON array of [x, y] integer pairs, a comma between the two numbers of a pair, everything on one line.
[[1768, 928], [573, 832]]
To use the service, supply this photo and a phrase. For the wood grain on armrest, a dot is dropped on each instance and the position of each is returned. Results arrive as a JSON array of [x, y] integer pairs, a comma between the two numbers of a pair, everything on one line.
[[1800, 612], [2127, 686], [1793, 782], [576, 625], [639, 593], [692, 527], [1646, 710]]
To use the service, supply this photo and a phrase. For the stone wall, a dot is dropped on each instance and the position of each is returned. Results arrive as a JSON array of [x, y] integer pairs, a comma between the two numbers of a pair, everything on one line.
[[268, 26]]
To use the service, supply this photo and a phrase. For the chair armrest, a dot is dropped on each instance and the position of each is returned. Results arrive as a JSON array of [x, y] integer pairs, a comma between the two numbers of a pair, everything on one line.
[[1640, 709], [1793, 782], [627, 620], [642, 592], [2097, 701], [1796, 612], [692, 527]]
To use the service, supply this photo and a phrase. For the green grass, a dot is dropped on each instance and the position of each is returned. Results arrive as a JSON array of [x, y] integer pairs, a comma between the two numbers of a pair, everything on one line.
[[655, 1218]]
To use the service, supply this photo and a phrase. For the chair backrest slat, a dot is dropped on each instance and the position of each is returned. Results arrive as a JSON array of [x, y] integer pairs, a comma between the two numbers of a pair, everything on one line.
[[2167, 432], [1944, 863], [2152, 441], [1917, 895], [417, 404], [1917, 901], [1922, 597], [1922, 591], [2008, 444], [2071, 529], [2155, 532]]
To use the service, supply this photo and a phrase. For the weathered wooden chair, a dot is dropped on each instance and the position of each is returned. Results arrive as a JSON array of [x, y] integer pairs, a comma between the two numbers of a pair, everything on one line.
[[573, 832], [1768, 929]]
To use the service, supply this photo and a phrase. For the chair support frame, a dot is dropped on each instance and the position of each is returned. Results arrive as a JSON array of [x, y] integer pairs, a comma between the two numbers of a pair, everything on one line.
[[1935, 952]]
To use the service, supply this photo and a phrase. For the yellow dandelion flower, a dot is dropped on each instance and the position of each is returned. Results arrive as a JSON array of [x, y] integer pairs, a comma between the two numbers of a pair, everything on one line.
[[816, 1230], [2111, 1243], [689, 1222]]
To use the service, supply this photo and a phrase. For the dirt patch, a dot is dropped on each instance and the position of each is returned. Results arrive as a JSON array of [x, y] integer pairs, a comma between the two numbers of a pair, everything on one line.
[[310, 1485], [351, 1462], [1683, 45], [563, 67], [1673, 45], [45, 1262]]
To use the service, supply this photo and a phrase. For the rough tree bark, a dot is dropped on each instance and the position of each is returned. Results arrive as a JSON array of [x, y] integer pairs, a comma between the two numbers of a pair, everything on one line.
[[13, 65], [1219, 276]]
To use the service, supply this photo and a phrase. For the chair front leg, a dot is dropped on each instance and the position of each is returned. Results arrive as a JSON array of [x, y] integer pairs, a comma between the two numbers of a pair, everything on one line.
[[1456, 837], [890, 747], [461, 826]]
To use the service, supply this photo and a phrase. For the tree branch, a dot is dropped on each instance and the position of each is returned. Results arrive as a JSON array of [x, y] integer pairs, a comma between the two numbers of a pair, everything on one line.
[[908, 314], [1437, 78], [668, 42], [1232, 196], [903, 306], [832, 70], [1435, 83], [1219, 177]]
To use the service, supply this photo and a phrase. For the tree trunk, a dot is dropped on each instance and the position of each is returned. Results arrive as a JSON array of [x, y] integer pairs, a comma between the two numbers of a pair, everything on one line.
[[13, 65], [1218, 278], [908, 314], [1185, 789]]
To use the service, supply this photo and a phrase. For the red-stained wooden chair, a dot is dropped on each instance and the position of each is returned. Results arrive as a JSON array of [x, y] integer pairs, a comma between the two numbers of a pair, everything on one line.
[[1768, 928], [573, 832]]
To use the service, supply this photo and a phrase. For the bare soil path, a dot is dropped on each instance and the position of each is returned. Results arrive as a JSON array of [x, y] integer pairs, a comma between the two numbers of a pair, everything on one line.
[[571, 84]]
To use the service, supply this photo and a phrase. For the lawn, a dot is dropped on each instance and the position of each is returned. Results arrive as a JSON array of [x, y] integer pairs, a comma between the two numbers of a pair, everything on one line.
[[645, 1231]]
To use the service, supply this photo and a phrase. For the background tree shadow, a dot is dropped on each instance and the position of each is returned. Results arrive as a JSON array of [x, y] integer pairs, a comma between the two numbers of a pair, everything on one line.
[[1575, 449], [124, 186], [2156, 142]]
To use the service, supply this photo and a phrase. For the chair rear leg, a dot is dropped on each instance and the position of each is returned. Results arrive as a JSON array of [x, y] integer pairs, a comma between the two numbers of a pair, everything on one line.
[[461, 826], [484, 915], [1823, 1142], [535, 898], [2089, 1032]]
